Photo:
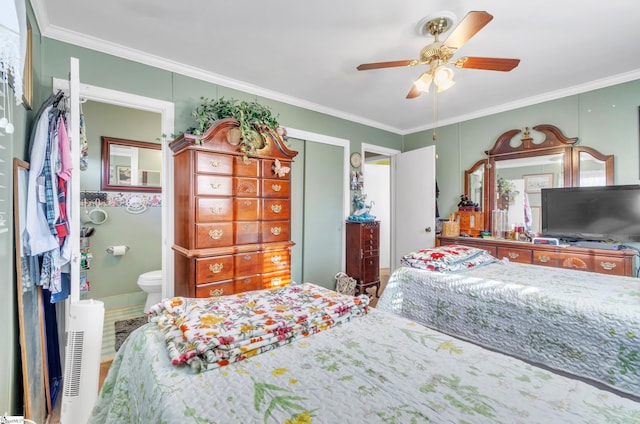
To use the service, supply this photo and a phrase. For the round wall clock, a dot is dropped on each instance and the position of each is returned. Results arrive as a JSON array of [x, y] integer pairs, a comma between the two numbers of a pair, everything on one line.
[[356, 159]]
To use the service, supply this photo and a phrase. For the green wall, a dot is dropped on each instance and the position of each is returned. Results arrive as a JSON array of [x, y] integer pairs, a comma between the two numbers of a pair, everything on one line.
[[113, 278], [605, 119]]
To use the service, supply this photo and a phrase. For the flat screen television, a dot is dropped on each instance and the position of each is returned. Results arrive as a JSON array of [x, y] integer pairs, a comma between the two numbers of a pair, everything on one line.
[[608, 213]]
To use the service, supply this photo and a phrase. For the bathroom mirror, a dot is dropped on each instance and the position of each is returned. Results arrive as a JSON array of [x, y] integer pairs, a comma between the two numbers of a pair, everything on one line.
[[129, 165]]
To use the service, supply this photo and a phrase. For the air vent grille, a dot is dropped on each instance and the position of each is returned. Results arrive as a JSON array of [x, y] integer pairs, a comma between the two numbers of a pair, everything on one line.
[[73, 363]]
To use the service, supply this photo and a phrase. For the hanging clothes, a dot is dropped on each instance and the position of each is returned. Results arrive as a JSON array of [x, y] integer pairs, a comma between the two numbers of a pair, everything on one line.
[[47, 205], [84, 143]]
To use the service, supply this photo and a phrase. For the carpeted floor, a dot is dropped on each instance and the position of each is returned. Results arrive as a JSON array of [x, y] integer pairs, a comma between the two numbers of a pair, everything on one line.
[[125, 327]]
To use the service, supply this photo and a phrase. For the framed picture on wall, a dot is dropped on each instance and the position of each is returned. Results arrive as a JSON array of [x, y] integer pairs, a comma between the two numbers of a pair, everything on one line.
[[123, 175], [535, 182]]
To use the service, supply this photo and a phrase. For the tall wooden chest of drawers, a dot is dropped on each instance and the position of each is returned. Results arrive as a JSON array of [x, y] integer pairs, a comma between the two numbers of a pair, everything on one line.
[[232, 213], [363, 254]]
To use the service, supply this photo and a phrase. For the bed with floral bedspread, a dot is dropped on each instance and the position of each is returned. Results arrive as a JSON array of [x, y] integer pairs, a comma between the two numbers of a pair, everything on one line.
[[376, 368], [583, 323]]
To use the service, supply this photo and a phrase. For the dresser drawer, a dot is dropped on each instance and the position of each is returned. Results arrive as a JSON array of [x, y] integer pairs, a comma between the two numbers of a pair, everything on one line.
[[575, 261], [609, 265], [546, 258], [371, 269], [222, 288], [273, 231], [218, 234], [246, 232], [275, 260], [275, 188], [247, 187], [249, 283], [214, 209], [268, 169], [276, 279], [214, 163], [213, 185], [246, 167], [246, 209], [276, 209], [523, 256], [216, 268], [247, 263]]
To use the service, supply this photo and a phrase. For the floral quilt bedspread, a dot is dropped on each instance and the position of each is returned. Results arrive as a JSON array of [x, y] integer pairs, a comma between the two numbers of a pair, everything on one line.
[[379, 368], [583, 323], [211, 332]]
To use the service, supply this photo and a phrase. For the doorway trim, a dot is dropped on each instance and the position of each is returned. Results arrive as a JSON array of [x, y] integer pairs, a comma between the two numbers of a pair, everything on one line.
[[167, 113], [390, 153], [344, 143]]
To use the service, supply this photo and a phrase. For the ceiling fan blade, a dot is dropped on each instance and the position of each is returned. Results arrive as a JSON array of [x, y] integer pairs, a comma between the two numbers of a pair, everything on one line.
[[392, 64], [414, 92], [487, 63], [468, 27]]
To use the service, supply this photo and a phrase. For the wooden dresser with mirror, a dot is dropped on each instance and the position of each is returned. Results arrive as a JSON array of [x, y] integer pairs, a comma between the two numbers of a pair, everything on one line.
[[553, 160], [232, 213]]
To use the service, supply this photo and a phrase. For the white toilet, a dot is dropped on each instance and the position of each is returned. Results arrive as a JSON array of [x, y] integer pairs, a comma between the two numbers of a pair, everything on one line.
[[151, 282]]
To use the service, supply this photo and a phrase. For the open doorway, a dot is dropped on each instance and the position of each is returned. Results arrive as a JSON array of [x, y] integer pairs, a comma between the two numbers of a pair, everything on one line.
[[377, 186], [166, 110]]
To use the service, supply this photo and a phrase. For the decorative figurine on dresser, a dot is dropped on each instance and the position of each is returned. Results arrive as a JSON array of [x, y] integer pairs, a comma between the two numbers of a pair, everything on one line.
[[232, 211]]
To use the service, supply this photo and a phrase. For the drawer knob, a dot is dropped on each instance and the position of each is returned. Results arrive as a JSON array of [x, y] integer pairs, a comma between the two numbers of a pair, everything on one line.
[[276, 259], [608, 265], [276, 208], [276, 281], [214, 163], [215, 186], [216, 234], [276, 231], [276, 187], [513, 255], [544, 259], [216, 268], [216, 292], [216, 210], [247, 257]]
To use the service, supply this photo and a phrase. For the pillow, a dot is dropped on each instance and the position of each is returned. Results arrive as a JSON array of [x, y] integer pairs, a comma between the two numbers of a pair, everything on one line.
[[452, 258]]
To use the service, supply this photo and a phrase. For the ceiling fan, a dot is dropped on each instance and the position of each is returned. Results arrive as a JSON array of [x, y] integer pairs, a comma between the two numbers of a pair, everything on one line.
[[439, 53]]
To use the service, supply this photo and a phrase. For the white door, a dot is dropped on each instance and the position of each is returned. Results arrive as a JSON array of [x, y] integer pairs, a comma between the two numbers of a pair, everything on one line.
[[414, 202]]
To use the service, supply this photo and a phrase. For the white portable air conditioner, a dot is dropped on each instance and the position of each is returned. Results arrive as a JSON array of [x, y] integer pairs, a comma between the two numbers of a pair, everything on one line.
[[82, 360]]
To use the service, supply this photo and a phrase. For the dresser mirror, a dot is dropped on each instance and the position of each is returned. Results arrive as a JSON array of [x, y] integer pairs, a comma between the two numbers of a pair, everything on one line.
[[129, 165], [517, 168]]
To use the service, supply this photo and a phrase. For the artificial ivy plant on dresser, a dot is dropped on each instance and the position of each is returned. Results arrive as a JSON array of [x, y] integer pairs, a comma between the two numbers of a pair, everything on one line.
[[232, 202]]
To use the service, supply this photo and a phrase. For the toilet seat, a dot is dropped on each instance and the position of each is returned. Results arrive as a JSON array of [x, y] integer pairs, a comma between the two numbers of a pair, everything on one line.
[[150, 278]]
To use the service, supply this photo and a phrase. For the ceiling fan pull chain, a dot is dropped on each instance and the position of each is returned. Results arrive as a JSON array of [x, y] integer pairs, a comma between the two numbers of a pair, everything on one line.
[[435, 115]]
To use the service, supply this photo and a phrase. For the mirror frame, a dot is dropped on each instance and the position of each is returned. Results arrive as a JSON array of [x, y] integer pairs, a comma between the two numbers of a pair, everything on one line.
[[105, 159], [555, 142]]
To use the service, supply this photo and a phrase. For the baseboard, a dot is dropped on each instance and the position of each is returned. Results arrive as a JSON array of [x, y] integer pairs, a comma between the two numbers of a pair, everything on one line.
[[124, 300]]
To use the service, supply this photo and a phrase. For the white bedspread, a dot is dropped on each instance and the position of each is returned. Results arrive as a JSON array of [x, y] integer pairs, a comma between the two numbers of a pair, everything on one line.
[[379, 368], [584, 323]]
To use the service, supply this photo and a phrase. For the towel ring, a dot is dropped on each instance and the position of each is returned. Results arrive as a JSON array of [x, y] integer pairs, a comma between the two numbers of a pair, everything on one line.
[[97, 216]]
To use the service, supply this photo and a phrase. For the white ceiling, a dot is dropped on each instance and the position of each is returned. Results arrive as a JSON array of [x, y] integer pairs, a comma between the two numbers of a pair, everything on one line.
[[306, 53]]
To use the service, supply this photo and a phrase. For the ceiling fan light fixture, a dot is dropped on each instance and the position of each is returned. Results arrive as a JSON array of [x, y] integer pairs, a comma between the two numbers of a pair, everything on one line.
[[443, 78], [423, 82]]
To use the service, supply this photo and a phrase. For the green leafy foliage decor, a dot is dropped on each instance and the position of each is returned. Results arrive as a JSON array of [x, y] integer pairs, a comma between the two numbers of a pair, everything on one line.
[[251, 116]]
